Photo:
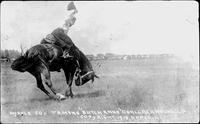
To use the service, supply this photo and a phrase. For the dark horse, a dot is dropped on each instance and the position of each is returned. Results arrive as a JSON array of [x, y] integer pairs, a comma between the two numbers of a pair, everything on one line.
[[43, 58]]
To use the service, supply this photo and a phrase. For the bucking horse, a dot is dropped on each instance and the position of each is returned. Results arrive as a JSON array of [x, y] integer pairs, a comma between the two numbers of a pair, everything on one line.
[[40, 59]]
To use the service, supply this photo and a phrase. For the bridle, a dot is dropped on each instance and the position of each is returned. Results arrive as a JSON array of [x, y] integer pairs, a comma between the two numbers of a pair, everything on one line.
[[78, 71]]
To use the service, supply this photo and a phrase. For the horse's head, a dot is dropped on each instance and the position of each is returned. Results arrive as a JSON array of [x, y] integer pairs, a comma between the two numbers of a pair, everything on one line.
[[83, 68], [82, 79], [20, 64]]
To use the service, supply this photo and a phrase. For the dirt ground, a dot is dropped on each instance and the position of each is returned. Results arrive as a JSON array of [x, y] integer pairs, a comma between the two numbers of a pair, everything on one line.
[[141, 90]]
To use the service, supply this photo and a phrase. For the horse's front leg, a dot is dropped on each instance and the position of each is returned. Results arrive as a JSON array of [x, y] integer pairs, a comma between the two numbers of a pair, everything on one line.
[[37, 75], [47, 79]]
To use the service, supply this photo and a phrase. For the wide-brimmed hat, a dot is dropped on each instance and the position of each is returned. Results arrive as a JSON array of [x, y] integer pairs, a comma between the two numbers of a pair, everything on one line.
[[71, 6]]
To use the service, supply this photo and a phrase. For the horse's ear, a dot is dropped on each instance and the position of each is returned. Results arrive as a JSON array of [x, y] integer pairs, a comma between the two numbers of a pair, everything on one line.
[[96, 76], [92, 79]]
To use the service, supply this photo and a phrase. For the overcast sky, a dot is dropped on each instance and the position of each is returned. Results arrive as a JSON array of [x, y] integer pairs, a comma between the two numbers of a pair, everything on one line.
[[117, 27]]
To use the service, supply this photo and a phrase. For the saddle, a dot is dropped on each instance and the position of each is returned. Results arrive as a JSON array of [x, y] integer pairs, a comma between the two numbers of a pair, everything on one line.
[[60, 39], [54, 53]]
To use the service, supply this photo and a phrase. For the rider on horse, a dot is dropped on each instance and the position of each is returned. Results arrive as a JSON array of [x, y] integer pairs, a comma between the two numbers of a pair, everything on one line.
[[59, 36]]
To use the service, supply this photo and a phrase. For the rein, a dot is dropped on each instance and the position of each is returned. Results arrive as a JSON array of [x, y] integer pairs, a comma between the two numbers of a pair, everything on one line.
[[87, 74], [78, 70]]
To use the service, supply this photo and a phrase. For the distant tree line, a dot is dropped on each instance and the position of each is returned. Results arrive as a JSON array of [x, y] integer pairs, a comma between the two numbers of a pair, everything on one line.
[[112, 56], [9, 55]]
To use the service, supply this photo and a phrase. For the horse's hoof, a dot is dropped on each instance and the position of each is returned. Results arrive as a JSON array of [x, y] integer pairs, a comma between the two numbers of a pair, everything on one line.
[[67, 94], [71, 95], [59, 96]]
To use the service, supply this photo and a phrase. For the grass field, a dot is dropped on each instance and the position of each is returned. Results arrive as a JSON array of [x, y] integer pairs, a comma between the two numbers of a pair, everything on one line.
[[127, 91]]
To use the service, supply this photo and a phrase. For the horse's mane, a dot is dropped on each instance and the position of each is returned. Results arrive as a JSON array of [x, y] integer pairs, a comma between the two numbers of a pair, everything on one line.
[[84, 60], [85, 64], [36, 50]]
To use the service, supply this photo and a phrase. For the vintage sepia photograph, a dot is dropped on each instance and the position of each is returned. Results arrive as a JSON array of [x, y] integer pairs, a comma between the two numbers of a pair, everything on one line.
[[99, 62]]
